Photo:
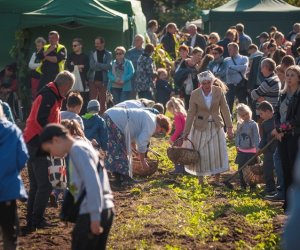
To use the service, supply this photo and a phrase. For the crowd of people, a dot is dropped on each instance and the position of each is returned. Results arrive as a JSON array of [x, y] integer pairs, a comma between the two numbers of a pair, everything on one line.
[[116, 101]]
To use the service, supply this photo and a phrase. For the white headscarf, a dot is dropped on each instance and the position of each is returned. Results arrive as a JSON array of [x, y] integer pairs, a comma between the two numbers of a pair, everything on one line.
[[206, 76]]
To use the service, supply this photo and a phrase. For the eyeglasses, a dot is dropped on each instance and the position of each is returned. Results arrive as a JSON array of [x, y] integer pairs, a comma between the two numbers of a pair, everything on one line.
[[118, 54], [75, 45]]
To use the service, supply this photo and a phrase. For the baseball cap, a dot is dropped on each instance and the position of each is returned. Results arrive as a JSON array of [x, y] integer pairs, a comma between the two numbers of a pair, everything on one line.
[[264, 35]]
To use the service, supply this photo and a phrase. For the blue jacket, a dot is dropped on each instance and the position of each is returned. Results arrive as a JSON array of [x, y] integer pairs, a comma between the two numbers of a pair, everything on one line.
[[13, 157], [127, 75], [95, 128]]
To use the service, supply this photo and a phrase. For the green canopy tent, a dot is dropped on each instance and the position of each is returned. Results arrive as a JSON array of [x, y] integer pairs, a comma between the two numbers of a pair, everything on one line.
[[77, 18], [256, 15], [86, 19], [10, 12], [133, 9]]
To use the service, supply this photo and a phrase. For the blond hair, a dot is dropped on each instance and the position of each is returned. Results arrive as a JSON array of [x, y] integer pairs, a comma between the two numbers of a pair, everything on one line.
[[177, 105], [242, 108]]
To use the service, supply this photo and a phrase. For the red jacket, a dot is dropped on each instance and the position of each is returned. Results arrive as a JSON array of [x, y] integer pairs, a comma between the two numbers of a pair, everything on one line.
[[45, 109]]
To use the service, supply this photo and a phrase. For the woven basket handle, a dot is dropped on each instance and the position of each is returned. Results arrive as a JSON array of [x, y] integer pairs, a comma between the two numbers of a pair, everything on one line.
[[181, 138]]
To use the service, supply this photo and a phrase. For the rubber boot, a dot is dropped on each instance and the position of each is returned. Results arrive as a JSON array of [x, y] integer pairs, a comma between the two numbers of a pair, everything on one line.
[[179, 169]]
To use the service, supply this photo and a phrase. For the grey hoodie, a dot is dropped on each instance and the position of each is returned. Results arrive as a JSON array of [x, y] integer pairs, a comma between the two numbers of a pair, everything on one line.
[[83, 174]]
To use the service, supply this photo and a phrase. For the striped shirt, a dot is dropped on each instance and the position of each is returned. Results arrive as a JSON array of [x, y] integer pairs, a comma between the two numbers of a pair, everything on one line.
[[268, 89]]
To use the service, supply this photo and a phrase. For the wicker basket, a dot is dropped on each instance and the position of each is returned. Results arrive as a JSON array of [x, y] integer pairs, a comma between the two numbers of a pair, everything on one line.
[[253, 174], [139, 170], [185, 156]]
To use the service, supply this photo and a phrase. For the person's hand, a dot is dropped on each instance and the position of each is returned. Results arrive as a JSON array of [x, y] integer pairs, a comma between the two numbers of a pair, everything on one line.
[[96, 228], [260, 99], [94, 143], [279, 136], [230, 133], [274, 132]]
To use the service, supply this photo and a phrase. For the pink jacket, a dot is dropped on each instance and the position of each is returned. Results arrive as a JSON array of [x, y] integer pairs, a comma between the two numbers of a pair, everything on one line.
[[179, 121]]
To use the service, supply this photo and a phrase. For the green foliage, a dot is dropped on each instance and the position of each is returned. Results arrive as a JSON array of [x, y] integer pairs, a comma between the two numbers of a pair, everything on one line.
[[19, 52]]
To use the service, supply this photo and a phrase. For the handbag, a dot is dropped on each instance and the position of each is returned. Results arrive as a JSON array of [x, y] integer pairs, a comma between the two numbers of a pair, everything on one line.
[[78, 86], [57, 172], [70, 208]]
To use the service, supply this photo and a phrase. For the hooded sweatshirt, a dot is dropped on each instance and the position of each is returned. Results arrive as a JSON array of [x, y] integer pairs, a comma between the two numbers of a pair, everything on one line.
[[45, 109], [95, 128], [13, 158]]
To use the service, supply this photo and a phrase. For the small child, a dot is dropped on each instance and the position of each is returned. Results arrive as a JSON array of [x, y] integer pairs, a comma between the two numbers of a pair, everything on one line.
[[74, 105], [266, 112], [163, 88], [97, 208], [94, 125], [176, 107], [13, 158], [246, 140]]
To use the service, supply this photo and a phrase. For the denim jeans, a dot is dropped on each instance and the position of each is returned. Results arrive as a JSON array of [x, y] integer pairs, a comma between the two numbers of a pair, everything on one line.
[[291, 235], [119, 95], [278, 170], [40, 187], [269, 171]]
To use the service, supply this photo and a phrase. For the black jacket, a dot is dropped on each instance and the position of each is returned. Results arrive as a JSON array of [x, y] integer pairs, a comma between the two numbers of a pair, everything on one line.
[[199, 42]]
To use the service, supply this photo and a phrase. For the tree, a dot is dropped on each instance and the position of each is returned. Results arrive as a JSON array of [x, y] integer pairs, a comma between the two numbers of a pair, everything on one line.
[[181, 11]]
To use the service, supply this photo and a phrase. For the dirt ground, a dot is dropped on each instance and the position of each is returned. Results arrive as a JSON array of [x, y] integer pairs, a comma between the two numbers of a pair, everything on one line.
[[59, 236]]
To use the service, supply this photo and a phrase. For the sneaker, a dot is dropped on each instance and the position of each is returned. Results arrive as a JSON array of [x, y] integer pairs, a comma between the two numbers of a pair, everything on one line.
[[275, 197]]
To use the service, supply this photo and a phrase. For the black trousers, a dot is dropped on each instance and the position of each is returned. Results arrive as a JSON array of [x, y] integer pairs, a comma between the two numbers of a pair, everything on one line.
[[9, 224], [40, 187], [83, 239], [288, 149]]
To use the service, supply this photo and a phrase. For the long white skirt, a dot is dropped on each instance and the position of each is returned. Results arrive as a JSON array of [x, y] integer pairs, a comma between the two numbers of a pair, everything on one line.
[[211, 145]]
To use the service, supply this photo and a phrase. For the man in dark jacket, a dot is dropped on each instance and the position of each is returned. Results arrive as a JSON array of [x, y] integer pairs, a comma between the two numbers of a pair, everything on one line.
[[195, 39], [45, 109], [229, 37]]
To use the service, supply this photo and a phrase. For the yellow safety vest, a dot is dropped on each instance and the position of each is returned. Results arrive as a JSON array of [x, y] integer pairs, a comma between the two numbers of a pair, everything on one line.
[[61, 64]]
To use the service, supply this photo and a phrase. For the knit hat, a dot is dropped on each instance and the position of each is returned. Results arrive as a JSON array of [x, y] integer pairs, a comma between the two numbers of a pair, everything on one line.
[[93, 105]]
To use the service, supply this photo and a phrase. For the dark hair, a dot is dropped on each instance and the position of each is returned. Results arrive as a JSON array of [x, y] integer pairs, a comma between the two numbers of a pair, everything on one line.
[[79, 40], [74, 99], [265, 106], [100, 38], [152, 23], [149, 48], [272, 43], [51, 130], [164, 122], [288, 60], [253, 46], [269, 63], [159, 107], [219, 49]]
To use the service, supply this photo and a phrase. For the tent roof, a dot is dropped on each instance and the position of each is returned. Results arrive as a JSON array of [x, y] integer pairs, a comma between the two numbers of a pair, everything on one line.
[[256, 6], [84, 12], [126, 6]]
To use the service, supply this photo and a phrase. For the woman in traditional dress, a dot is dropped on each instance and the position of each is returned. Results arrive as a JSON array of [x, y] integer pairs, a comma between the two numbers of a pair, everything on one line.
[[204, 127], [126, 126]]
